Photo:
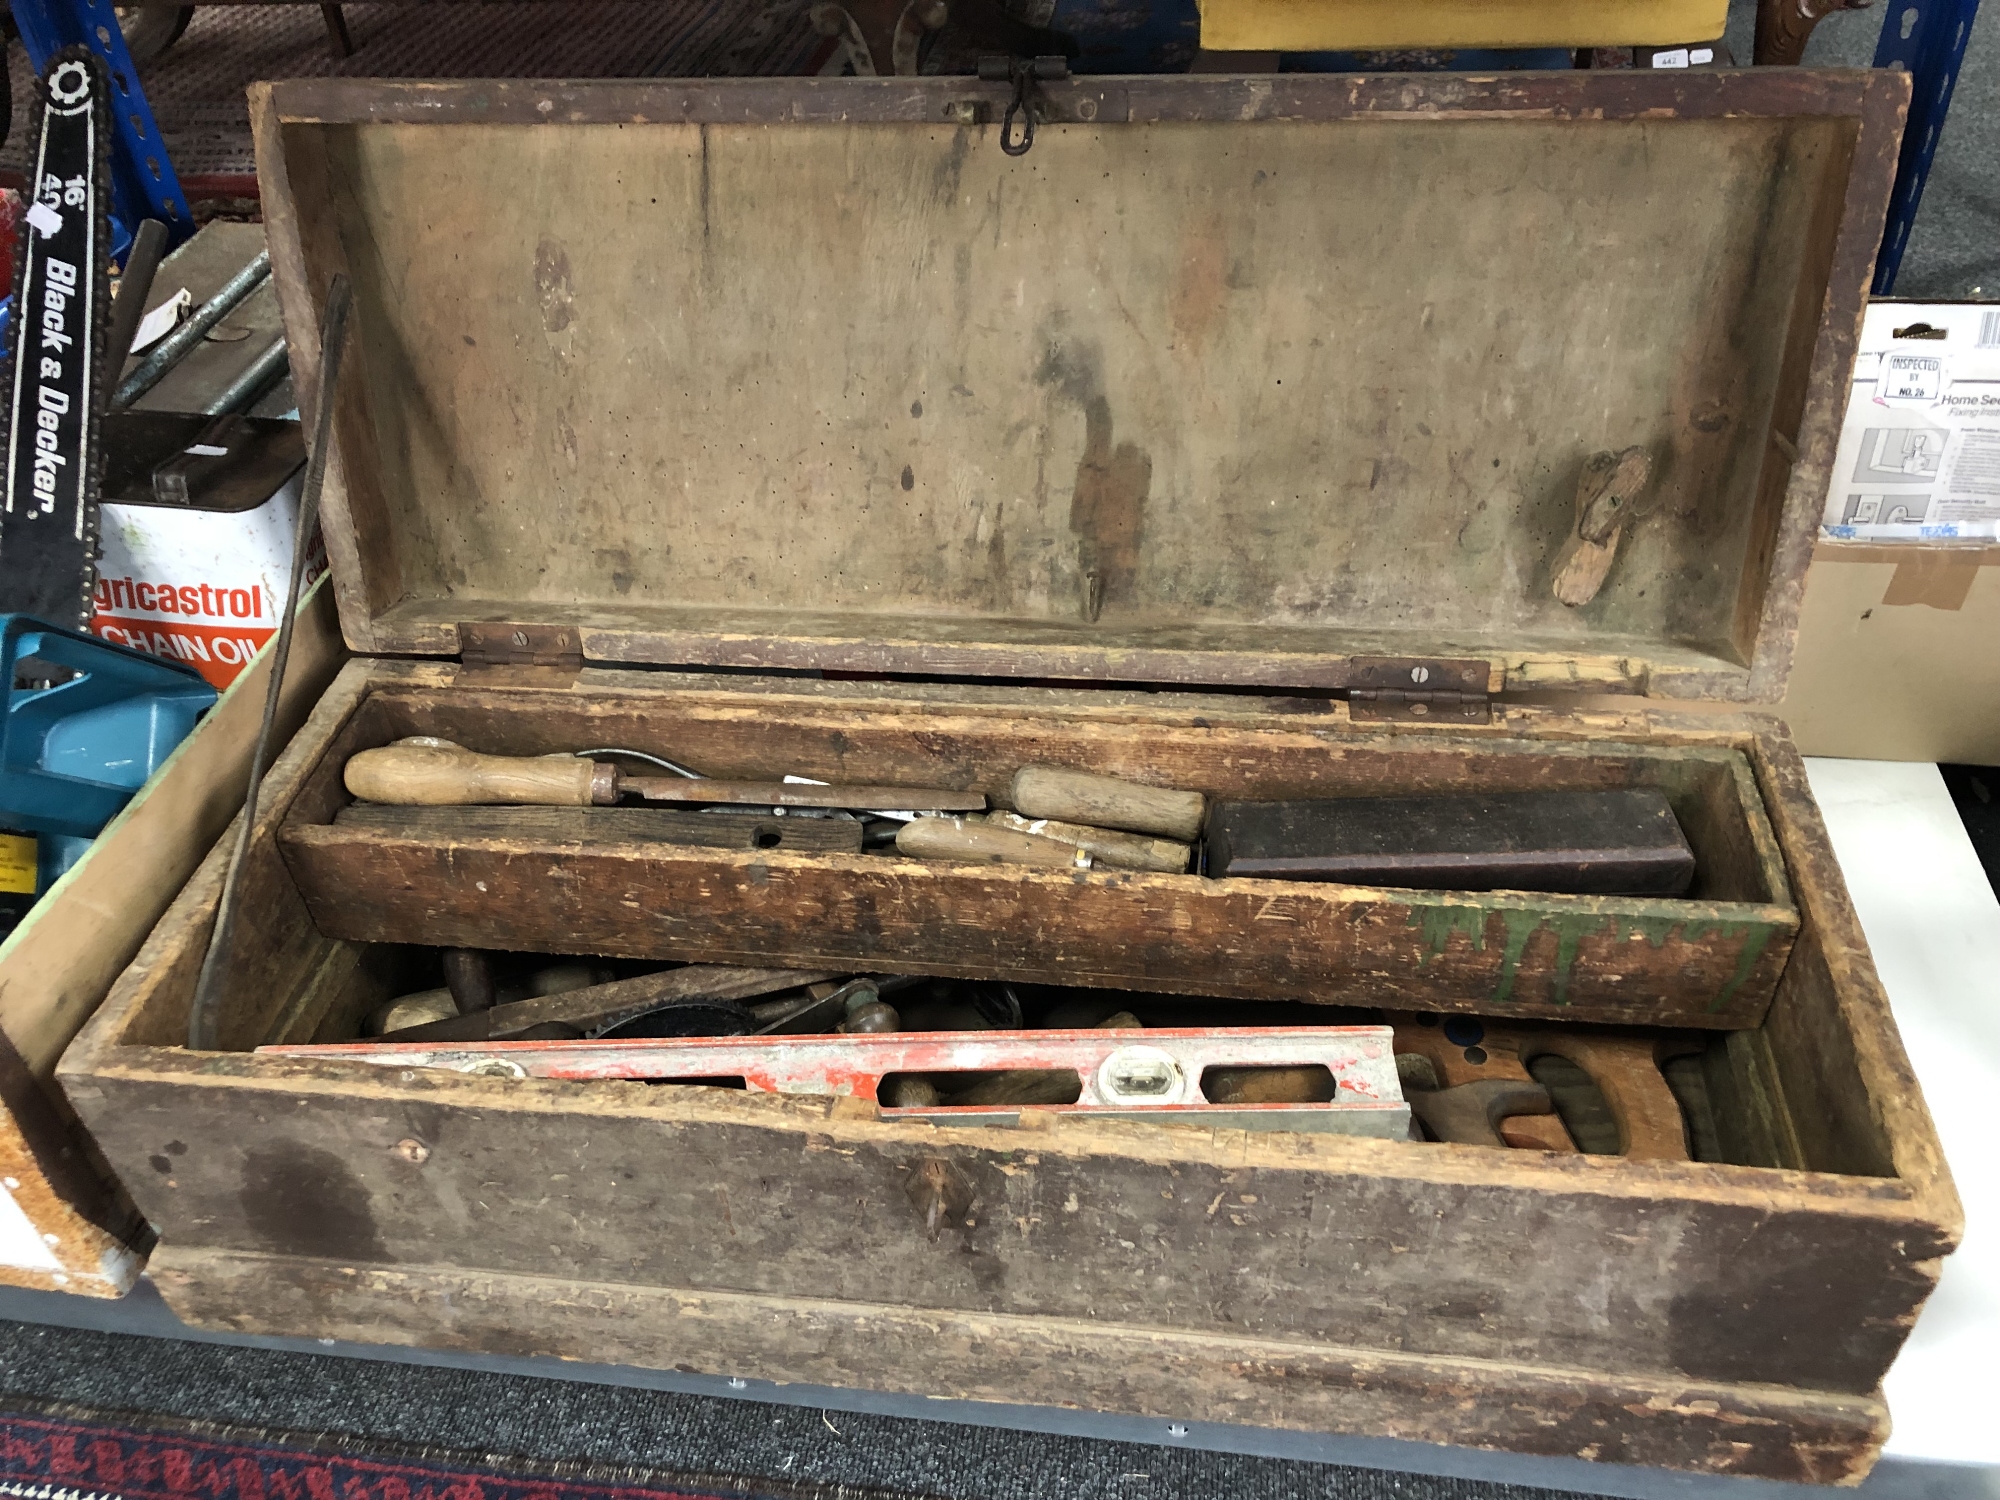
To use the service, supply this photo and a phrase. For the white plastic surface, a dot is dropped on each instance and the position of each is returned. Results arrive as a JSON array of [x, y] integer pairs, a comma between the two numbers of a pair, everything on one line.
[[1934, 927], [21, 1244]]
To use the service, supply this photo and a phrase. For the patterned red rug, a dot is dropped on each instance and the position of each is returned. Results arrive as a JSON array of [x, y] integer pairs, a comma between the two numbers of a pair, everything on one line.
[[65, 1454]]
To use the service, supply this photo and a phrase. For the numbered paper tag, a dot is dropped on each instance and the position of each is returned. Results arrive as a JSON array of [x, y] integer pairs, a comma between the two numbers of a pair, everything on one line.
[[1914, 378]]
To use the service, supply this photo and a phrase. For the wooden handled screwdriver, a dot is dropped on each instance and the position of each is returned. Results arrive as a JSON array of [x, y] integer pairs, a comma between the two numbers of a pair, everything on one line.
[[1106, 802], [437, 773]]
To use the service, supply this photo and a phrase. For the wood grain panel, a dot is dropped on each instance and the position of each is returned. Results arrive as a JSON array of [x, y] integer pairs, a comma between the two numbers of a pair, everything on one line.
[[1809, 1437], [1617, 960], [1043, 409]]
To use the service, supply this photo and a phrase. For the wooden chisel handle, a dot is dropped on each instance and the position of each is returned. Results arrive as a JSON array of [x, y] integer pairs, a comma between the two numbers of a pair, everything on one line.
[[437, 773], [1123, 851], [982, 843], [1106, 802]]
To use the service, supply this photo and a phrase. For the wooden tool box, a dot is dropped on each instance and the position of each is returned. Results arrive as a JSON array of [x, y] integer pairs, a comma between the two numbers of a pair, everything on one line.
[[1226, 440]]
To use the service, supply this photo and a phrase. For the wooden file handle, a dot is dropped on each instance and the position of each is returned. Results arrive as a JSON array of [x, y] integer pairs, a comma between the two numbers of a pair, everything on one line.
[[1123, 851], [437, 773], [983, 843], [1106, 802]]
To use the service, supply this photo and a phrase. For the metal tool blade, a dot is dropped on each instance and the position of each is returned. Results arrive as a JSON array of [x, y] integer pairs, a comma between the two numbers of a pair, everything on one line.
[[48, 517], [795, 794]]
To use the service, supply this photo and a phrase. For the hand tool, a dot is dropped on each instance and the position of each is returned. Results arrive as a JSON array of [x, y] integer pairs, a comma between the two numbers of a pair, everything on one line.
[[128, 304], [1646, 1115], [1435, 1053], [607, 825], [164, 355], [1107, 847], [600, 1007], [427, 772], [1469, 1114], [49, 523], [1268, 1085], [1624, 842], [409, 1013], [868, 1013], [203, 1020], [1150, 1075], [1106, 802], [1054, 1086], [983, 843], [1640, 1117], [468, 975], [823, 1002]]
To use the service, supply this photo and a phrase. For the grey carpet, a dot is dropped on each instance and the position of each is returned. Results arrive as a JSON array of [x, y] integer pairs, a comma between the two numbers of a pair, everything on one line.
[[1954, 249], [554, 1421]]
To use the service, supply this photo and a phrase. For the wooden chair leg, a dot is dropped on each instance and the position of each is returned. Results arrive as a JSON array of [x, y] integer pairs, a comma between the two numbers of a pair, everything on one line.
[[336, 31], [1783, 26]]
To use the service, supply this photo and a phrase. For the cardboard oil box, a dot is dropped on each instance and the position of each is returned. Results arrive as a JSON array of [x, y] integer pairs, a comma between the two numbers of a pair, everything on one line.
[[1226, 440]]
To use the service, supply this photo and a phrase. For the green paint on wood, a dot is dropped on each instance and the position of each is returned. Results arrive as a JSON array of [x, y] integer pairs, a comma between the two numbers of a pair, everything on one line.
[[1440, 923], [1756, 938], [1655, 930], [1521, 925]]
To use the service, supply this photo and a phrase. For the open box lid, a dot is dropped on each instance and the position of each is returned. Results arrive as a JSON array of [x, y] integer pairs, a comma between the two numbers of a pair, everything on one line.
[[1227, 381]]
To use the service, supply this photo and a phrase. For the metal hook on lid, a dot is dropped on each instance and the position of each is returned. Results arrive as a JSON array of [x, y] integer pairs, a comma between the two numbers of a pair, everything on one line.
[[1027, 75], [1024, 106]]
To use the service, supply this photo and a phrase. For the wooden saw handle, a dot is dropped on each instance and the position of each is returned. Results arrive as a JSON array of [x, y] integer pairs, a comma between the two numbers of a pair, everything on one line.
[[437, 773], [983, 843], [1106, 802]]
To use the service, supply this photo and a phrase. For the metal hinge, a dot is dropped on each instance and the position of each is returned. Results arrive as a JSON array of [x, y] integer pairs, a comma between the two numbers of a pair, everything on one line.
[[496, 653], [1419, 690]]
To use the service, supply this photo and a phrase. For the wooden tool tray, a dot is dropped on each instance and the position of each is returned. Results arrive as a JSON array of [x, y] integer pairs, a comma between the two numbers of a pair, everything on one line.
[[1711, 960], [1229, 441]]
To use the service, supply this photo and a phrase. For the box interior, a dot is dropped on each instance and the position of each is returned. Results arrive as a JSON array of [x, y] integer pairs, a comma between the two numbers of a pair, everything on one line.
[[297, 985]]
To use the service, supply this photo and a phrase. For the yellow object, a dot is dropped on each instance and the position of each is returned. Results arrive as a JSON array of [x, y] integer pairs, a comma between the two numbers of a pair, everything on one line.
[[1377, 25], [17, 863]]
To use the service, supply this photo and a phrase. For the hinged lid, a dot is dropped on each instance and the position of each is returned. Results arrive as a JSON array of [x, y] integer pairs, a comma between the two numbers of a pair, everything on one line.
[[1232, 381]]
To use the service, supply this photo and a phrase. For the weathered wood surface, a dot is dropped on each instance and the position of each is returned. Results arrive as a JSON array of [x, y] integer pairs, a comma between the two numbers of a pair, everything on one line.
[[1739, 1429], [1711, 961], [1702, 1271], [589, 826], [1625, 960], [1613, 97], [1843, 231], [1148, 518], [57, 965], [1831, 1037], [1697, 1272]]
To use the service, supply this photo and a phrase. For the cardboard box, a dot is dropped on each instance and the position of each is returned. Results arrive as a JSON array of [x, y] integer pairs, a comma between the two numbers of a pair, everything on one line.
[[1899, 653]]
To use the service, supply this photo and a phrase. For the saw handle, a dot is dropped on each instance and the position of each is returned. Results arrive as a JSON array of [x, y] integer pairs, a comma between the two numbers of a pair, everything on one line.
[[437, 773]]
